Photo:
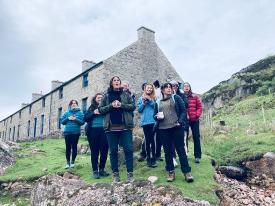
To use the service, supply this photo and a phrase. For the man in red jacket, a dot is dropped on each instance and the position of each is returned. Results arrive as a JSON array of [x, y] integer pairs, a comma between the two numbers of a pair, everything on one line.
[[194, 112]]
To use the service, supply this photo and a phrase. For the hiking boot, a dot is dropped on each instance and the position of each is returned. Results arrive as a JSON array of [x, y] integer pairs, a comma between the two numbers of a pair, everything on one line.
[[116, 177], [67, 166], [130, 177], [197, 160], [153, 163], [96, 174], [141, 158], [103, 173], [72, 165], [188, 177], [171, 176]]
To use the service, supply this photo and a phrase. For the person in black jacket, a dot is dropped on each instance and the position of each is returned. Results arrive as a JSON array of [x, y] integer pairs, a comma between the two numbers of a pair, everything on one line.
[[171, 114], [96, 137]]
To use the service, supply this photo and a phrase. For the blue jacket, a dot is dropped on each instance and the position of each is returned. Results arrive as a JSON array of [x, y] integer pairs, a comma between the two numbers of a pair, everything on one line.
[[147, 112], [72, 127]]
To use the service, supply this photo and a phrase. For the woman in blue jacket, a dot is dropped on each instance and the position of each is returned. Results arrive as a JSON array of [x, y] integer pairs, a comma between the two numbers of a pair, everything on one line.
[[72, 119], [146, 105]]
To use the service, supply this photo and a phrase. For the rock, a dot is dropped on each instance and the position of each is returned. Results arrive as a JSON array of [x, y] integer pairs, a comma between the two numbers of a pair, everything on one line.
[[270, 155], [82, 149], [250, 132], [7, 157], [233, 172], [152, 179], [137, 141], [37, 151], [55, 190], [68, 175]]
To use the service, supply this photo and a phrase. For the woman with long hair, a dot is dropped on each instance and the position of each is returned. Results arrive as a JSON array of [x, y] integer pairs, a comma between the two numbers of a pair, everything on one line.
[[72, 119], [170, 111], [96, 137], [146, 105], [117, 107]]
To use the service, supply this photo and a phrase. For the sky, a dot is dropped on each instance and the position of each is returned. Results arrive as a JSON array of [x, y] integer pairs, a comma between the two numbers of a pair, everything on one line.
[[205, 40]]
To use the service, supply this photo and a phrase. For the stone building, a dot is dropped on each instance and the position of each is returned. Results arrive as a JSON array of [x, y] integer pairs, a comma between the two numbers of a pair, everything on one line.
[[140, 62]]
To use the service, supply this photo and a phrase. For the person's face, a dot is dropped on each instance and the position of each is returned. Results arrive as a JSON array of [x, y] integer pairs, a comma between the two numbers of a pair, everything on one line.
[[98, 98], [167, 90], [116, 83], [175, 87], [186, 88], [74, 104], [125, 86], [148, 89]]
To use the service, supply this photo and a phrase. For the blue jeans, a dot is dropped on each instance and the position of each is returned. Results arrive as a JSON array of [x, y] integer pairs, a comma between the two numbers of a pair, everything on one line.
[[125, 139]]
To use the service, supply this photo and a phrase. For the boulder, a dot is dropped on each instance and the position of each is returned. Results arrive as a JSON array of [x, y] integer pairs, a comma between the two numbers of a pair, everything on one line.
[[7, 156], [137, 141], [55, 190], [233, 172]]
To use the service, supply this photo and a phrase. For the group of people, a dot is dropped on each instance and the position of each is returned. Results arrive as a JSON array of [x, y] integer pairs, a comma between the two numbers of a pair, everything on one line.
[[166, 113]]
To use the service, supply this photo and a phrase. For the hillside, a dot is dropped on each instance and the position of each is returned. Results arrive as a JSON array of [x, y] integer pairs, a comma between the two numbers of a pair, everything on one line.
[[258, 78]]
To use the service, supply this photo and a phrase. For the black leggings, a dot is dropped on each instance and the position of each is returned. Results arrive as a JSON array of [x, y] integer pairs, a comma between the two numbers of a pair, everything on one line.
[[98, 145], [150, 141], [71, 141]]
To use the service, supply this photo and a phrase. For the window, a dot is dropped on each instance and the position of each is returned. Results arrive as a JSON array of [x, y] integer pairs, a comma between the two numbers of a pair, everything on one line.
[[30, 109], [18, 129], [4, 122], [34, 127], [11, 120], [84, 104], [59, 118], [13, 133], [20, 114], [42, 124], [85, 81], [10, 133], [29, 128], [43, 102], [61, 93]]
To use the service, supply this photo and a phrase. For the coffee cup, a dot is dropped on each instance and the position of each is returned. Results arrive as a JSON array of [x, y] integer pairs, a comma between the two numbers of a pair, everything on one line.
[[160, 115]]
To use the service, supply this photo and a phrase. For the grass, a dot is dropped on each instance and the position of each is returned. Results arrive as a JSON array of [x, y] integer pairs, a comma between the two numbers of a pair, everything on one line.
[[52, 161]]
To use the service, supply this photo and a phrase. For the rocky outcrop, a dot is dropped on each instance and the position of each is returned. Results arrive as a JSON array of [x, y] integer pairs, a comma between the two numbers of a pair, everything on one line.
[[56, 190], [7, 156]]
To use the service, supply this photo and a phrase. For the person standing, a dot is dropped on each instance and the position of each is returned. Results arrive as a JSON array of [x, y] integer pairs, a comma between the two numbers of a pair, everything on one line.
[[194, 113], [117, 107], [146, 105], [97, 138], [170, 111], [72, 119]]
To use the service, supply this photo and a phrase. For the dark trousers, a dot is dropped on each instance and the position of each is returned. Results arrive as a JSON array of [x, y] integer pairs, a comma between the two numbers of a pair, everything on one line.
[[195, 128], [71, 141], [125, 139], [150, 141], [158, 146], [99, 145], [170, 137]]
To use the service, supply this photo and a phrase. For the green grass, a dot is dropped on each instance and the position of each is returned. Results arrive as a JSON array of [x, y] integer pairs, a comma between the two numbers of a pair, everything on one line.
[[6, 198], [33, 166]]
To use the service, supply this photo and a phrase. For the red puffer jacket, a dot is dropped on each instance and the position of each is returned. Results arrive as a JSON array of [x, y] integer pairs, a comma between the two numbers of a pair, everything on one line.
[[194, 107]]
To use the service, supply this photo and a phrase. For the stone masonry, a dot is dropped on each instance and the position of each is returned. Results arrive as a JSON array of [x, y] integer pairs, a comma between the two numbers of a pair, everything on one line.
[[140, 62]]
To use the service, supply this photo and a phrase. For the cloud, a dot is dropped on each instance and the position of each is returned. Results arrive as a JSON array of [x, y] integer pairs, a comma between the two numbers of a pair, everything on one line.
[[206, 41]]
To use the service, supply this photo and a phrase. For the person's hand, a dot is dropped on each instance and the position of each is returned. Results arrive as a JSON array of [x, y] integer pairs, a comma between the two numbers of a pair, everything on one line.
[[118, 104], [72, 117], [96, 111]]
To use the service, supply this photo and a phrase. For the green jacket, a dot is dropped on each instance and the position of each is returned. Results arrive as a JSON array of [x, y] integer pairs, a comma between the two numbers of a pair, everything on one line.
[[127, 105]]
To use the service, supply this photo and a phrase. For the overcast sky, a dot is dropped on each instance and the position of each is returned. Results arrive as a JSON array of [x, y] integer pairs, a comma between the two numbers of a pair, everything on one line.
[[206, 41]]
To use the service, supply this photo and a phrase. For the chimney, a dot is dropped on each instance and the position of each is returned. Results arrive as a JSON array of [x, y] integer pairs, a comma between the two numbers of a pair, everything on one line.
[[55, 84], [24, 105], [36, 96], [146, 34], [86, 64]]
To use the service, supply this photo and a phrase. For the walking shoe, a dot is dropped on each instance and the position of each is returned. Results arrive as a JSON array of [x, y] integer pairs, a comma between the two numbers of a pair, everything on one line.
[[197, 160], [153, 163], [96, 174], [103, 173], [188, 177], [72, 165], [116, 177], [175, 162], [130, 177], [171, 176], [67, 166], [141, 158]]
